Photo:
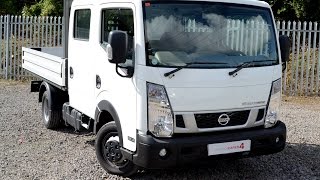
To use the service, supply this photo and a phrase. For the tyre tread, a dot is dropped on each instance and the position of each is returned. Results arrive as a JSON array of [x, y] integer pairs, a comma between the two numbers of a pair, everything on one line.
[[54, 116]]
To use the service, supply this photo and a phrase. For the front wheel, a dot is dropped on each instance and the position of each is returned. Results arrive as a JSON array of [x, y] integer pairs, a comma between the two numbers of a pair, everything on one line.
[[109, 154]]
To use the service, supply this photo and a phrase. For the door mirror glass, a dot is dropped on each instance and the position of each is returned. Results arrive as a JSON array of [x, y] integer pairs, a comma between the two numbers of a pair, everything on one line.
[[285, 49], [117, 47]]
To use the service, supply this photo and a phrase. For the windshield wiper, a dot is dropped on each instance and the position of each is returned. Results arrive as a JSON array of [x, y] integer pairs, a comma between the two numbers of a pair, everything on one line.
[[189, 64], [244, 65]]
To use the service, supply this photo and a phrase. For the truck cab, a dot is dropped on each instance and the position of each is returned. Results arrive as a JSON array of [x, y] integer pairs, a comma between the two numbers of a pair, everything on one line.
[[164, 83]]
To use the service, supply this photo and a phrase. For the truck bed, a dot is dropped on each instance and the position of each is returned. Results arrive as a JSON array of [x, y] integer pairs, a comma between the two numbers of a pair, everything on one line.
[[48, 63]]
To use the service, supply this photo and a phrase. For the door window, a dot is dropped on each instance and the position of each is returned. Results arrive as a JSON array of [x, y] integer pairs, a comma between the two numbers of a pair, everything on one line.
[[119, 19]]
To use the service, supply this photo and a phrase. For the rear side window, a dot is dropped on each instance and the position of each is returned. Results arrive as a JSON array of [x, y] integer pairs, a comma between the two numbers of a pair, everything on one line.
[[82, 24]]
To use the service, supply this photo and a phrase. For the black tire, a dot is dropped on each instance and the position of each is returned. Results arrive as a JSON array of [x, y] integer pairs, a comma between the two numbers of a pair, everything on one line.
[[51, 116], [105, 152]]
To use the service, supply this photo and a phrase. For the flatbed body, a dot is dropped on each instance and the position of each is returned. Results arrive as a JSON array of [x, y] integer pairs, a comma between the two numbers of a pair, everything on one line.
[[47, 63]]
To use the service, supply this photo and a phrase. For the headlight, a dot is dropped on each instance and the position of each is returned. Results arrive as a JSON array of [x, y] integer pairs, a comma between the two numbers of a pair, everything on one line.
[[273, 110], [160, 117]]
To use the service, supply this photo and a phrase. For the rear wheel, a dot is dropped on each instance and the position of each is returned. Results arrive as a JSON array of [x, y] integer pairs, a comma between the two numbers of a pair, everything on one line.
[[108, 152], [51, 116]]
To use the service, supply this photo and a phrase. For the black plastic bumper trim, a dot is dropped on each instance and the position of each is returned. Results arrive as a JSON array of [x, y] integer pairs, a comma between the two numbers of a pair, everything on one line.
[[184, 150]]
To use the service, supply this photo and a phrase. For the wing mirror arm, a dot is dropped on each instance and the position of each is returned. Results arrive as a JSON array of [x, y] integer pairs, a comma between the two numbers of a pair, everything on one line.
[[129, 71]]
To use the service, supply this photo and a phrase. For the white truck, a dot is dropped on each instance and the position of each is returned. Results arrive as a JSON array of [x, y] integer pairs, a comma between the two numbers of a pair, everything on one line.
[[164, 83]]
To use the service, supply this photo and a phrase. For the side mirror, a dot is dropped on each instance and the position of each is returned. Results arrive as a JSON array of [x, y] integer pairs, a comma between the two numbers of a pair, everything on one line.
[[285, 50], [117, 47]]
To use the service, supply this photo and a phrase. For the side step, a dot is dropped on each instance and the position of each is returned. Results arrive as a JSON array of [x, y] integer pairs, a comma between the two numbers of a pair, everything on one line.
[[75, 118]]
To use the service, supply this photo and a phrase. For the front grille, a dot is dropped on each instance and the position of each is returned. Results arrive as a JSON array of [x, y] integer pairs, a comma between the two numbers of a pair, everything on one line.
[[260, 114], [180, 121], [210, 120]]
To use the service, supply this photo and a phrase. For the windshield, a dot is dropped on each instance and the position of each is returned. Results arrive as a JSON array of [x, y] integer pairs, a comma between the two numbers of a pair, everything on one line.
[[221, 34]]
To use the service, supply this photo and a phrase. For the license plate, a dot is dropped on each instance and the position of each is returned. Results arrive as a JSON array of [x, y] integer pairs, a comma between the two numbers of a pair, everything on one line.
[[229, 147]]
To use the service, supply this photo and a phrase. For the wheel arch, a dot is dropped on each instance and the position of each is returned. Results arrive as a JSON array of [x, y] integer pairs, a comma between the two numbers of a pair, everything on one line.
[[104, 113], [43, 88], [57, 97]]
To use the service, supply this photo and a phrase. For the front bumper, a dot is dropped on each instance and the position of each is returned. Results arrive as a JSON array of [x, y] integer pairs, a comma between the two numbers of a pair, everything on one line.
[[182, 150]]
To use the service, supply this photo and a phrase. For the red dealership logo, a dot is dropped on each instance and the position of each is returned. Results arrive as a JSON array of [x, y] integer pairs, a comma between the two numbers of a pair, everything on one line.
[[241, 146]]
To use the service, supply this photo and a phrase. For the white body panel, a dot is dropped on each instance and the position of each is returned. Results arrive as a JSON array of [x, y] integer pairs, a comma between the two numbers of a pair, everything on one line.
[[208, 89], [81, 60], [46, 64], [194, 91], [120, 92]]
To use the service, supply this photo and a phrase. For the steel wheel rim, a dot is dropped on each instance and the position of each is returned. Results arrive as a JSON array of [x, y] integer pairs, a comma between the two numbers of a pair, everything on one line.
[[46, 110], [119, 160]]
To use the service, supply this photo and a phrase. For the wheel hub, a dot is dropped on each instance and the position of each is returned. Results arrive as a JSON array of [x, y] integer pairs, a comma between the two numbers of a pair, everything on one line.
[[112, 151]]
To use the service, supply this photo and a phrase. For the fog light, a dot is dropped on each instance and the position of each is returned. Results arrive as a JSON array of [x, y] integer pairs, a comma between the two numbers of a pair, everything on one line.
[[163, 152], [277, 139]]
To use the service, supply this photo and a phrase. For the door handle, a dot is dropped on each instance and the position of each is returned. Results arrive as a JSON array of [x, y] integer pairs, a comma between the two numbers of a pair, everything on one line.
[[98, 82], [71, 72]]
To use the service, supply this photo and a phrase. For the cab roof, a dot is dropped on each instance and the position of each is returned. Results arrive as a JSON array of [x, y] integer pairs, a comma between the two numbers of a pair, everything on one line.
[[96, 2]]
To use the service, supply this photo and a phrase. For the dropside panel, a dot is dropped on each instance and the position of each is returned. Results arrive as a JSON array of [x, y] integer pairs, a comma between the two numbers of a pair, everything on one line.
[[48, 66]]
